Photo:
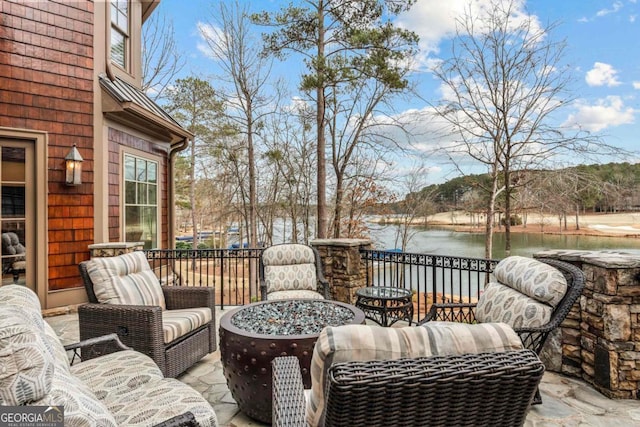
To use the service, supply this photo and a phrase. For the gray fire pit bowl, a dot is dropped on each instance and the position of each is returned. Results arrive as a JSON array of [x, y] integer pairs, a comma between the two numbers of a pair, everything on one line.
[[246, 356]]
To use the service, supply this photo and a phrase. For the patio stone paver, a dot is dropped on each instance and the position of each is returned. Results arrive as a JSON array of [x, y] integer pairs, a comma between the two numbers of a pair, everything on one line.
[[567, 402]]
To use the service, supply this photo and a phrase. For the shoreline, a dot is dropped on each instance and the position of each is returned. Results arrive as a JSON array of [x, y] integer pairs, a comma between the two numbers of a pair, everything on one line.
[[626, 225]]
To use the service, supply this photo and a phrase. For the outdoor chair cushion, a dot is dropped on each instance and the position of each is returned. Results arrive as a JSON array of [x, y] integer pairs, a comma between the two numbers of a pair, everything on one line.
[[176, 323], [289, 267], [500, 303], [128, 380], [26, 363], [533, 278], [125, 279], [301, 294], [368, 342], [525, 294]]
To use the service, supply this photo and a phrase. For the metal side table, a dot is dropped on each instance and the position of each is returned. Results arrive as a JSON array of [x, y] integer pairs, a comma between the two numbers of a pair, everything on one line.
[[385, 305]]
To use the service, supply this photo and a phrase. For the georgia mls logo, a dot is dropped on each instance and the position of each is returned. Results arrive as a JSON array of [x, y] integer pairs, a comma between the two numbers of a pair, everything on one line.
[[31, 416]]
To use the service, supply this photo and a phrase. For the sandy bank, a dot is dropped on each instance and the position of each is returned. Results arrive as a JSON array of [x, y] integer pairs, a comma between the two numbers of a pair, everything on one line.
[[617, 224]]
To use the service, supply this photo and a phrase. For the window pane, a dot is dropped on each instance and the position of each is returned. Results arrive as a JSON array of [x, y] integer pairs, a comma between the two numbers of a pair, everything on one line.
[[13, 201], [153, 198], [141, 170], [129, 168], [130, 192], [152, 173], [150, 226], [13, 164], [117, 47], [142, 194], [133, 229]]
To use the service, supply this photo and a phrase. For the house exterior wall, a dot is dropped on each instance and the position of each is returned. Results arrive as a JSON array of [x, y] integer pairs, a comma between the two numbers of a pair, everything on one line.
[[46, 85], [51, 56]]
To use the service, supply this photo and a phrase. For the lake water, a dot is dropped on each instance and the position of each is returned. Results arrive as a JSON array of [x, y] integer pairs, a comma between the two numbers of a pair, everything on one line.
[[439, 241]]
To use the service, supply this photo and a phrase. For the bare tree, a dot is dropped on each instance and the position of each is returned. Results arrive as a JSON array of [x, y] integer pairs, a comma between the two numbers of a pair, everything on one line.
[[415, 205], [246, 73], [504, 81], [161, 58]]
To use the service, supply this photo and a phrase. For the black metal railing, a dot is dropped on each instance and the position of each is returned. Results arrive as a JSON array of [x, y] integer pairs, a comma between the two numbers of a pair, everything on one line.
[[432, 278], [232, 272]]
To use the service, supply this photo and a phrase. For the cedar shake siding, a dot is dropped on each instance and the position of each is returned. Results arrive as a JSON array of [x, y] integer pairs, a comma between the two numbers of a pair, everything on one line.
[[46, 84]]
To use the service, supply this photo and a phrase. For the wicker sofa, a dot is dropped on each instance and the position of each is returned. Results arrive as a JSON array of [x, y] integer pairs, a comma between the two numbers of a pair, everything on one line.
[[124, 388], [174, 325], [437, 374]]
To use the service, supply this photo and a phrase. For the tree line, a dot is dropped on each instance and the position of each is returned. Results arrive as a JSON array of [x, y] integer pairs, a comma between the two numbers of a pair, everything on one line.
[[563, 193]]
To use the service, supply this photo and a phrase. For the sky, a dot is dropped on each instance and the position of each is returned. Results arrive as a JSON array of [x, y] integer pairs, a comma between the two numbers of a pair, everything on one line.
[[602, 50]]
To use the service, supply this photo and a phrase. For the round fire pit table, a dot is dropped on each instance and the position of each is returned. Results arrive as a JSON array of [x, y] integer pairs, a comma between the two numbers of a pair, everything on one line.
[[253, 335]]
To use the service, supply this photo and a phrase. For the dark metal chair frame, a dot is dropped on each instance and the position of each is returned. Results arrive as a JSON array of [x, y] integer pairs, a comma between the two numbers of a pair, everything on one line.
[[323, 284], [486, 389], [532, 338], [140, 327]]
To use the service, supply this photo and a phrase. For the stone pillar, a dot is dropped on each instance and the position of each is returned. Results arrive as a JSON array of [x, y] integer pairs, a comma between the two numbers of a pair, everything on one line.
[[605, 350], [98, 250], [342, 266]]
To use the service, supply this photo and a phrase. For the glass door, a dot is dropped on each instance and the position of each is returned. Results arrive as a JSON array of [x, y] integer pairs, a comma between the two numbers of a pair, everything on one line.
[[17, 213]]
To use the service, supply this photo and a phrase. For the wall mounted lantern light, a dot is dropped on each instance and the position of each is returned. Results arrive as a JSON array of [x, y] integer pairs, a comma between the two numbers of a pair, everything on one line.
[[73, 163]]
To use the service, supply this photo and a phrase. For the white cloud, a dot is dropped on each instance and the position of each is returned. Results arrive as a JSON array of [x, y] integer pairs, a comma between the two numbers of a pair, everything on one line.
[[435, 20], [636, 85], [614, 8], [602, 75], [210, 36], [607, 112]]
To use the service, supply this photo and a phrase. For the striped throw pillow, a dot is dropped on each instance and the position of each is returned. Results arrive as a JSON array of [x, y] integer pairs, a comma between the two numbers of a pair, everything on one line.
[[125, 279]]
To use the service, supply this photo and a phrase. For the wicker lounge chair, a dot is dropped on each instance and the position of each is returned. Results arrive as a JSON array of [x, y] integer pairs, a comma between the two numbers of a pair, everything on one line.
[[292, 270], [175, 326], [521, 283], [487, 388]]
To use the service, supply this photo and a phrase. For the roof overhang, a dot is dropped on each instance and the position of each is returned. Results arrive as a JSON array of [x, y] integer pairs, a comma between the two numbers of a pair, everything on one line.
[[129, 106], [148, 6]]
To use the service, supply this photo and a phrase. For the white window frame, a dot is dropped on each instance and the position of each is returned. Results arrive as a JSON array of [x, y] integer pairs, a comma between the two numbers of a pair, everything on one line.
[[143, 195], [122, 29]]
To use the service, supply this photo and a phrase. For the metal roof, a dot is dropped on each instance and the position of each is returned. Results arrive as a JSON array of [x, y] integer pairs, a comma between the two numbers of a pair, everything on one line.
[[124, 92]]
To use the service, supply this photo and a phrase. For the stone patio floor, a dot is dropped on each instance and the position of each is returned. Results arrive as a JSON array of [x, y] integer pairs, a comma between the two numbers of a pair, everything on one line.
[[567, 402]]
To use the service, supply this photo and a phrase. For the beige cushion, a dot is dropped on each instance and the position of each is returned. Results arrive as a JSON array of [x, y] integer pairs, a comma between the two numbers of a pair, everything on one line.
[[176, 323], [26, 364], [125, 279], [81, 406], [368, 342], [25, 299], [500, 303], [116, 373], [533, 278], [289, 267], [299, 294]]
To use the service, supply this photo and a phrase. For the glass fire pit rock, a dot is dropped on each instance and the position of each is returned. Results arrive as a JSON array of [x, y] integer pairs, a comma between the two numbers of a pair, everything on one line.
[[253, 335]]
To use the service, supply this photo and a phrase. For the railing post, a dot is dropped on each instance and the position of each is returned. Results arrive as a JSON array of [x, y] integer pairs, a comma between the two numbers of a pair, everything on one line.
[[600, 339], [108, 249], [342, 266]]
